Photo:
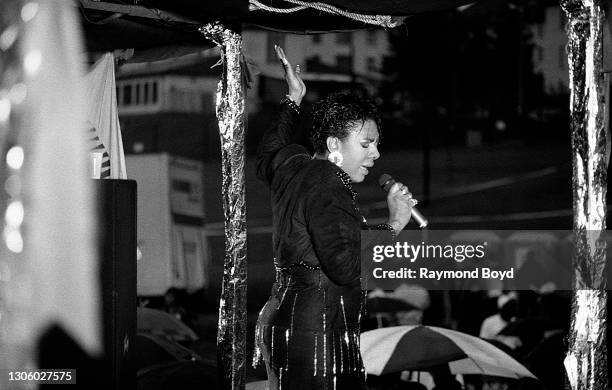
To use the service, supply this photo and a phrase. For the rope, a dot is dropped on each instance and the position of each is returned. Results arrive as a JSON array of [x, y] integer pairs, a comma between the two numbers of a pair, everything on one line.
[[379, 20], [256, 5]]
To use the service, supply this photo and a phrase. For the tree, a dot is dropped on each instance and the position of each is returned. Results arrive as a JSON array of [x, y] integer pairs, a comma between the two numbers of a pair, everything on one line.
[[474, 65]]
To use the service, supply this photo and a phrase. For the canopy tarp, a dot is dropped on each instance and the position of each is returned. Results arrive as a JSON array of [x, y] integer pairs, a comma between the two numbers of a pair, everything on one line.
[[114, 24], [233, 9]]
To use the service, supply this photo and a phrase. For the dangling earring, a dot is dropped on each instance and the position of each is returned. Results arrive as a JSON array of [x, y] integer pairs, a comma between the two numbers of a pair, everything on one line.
[[336, 158]]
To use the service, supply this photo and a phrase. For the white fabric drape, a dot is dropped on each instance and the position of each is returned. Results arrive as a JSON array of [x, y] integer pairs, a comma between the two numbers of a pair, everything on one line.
[[101, 112]]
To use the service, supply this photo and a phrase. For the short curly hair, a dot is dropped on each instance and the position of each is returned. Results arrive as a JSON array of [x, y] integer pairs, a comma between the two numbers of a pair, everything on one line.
[[336, 113]]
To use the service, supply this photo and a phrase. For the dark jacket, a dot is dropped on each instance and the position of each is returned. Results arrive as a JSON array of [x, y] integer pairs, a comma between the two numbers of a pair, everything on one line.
[[311, 323]]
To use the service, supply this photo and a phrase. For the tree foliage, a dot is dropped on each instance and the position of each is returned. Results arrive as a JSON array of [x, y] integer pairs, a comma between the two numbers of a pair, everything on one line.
[[474, 65]]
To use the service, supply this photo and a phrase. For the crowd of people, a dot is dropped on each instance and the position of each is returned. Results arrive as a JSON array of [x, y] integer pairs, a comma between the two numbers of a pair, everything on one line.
[[529, 326]]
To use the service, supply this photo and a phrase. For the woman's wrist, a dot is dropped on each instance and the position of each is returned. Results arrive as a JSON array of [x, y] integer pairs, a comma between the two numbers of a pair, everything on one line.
[[289, 102], [296, 97], [396, 225], [386, 226]]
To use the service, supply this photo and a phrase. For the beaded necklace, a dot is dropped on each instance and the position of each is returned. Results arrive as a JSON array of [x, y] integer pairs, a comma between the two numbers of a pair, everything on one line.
[[346, 182]]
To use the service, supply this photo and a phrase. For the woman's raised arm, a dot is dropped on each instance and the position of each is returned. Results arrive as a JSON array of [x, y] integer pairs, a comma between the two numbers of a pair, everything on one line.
[[280, 133]]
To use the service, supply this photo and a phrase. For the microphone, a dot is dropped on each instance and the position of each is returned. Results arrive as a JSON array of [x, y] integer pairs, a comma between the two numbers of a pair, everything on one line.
[[386, 182]]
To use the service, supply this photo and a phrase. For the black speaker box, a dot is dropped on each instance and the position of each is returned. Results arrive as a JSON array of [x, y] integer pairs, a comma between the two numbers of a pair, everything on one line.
[[118, 280]]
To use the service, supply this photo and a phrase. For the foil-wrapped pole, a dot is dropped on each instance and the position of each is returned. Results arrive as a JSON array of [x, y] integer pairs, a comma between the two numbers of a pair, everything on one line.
[[231, 336], [586, 360]]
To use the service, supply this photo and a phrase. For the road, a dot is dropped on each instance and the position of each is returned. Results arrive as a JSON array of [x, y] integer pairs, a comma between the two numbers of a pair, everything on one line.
[[464, 182], [504, 187]]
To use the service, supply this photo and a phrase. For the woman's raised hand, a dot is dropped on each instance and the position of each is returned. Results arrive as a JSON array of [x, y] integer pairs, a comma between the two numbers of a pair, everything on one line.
[[296, 86]]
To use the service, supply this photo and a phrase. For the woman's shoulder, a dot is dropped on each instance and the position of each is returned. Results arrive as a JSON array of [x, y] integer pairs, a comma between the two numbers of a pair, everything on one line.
[[289, 153], [325, 181], [324, 173]]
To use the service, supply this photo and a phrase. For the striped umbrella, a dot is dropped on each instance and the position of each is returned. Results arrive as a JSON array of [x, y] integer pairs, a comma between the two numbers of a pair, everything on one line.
[[418, 348]]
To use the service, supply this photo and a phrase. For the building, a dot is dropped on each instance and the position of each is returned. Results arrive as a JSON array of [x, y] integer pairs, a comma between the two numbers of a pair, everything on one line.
[[550, 53], [169, 106], [360, 52], [186, 84], [549, 50], [338, 58]]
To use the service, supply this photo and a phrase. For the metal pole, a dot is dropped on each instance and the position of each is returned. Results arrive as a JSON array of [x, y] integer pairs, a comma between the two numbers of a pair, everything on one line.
[[586, 360], [231, 336]]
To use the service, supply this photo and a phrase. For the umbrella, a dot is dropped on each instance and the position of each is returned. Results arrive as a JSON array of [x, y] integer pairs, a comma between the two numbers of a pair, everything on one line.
[[258, 385], [417, 347], [160, 323]]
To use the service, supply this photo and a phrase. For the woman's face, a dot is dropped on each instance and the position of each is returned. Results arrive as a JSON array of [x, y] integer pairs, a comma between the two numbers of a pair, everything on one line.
[[359, 149]]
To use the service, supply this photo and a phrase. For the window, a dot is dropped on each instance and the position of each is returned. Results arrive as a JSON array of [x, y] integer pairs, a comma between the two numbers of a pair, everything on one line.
[[208, 103], [133, 92], [127, 95], [313, 64], [181, 185], [371, 64], [137, 100], [562, 57], [189, 248], [343, 38], [371, 37], [154, 92], [274, 38], [146, 94], [344, 63]]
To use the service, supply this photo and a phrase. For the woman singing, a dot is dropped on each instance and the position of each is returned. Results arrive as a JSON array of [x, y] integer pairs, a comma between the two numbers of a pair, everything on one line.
[[308, 331]]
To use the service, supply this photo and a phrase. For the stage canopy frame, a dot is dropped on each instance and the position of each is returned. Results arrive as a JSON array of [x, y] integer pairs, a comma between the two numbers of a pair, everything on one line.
[[151, 26]]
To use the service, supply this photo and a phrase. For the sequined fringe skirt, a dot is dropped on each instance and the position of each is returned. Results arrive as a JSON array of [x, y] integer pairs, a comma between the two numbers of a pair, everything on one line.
[[299, 359], [308, 333], [311, 360]]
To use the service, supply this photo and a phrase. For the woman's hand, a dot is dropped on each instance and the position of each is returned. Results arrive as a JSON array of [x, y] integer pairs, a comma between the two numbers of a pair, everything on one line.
[[297, 89], [400, 203]]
